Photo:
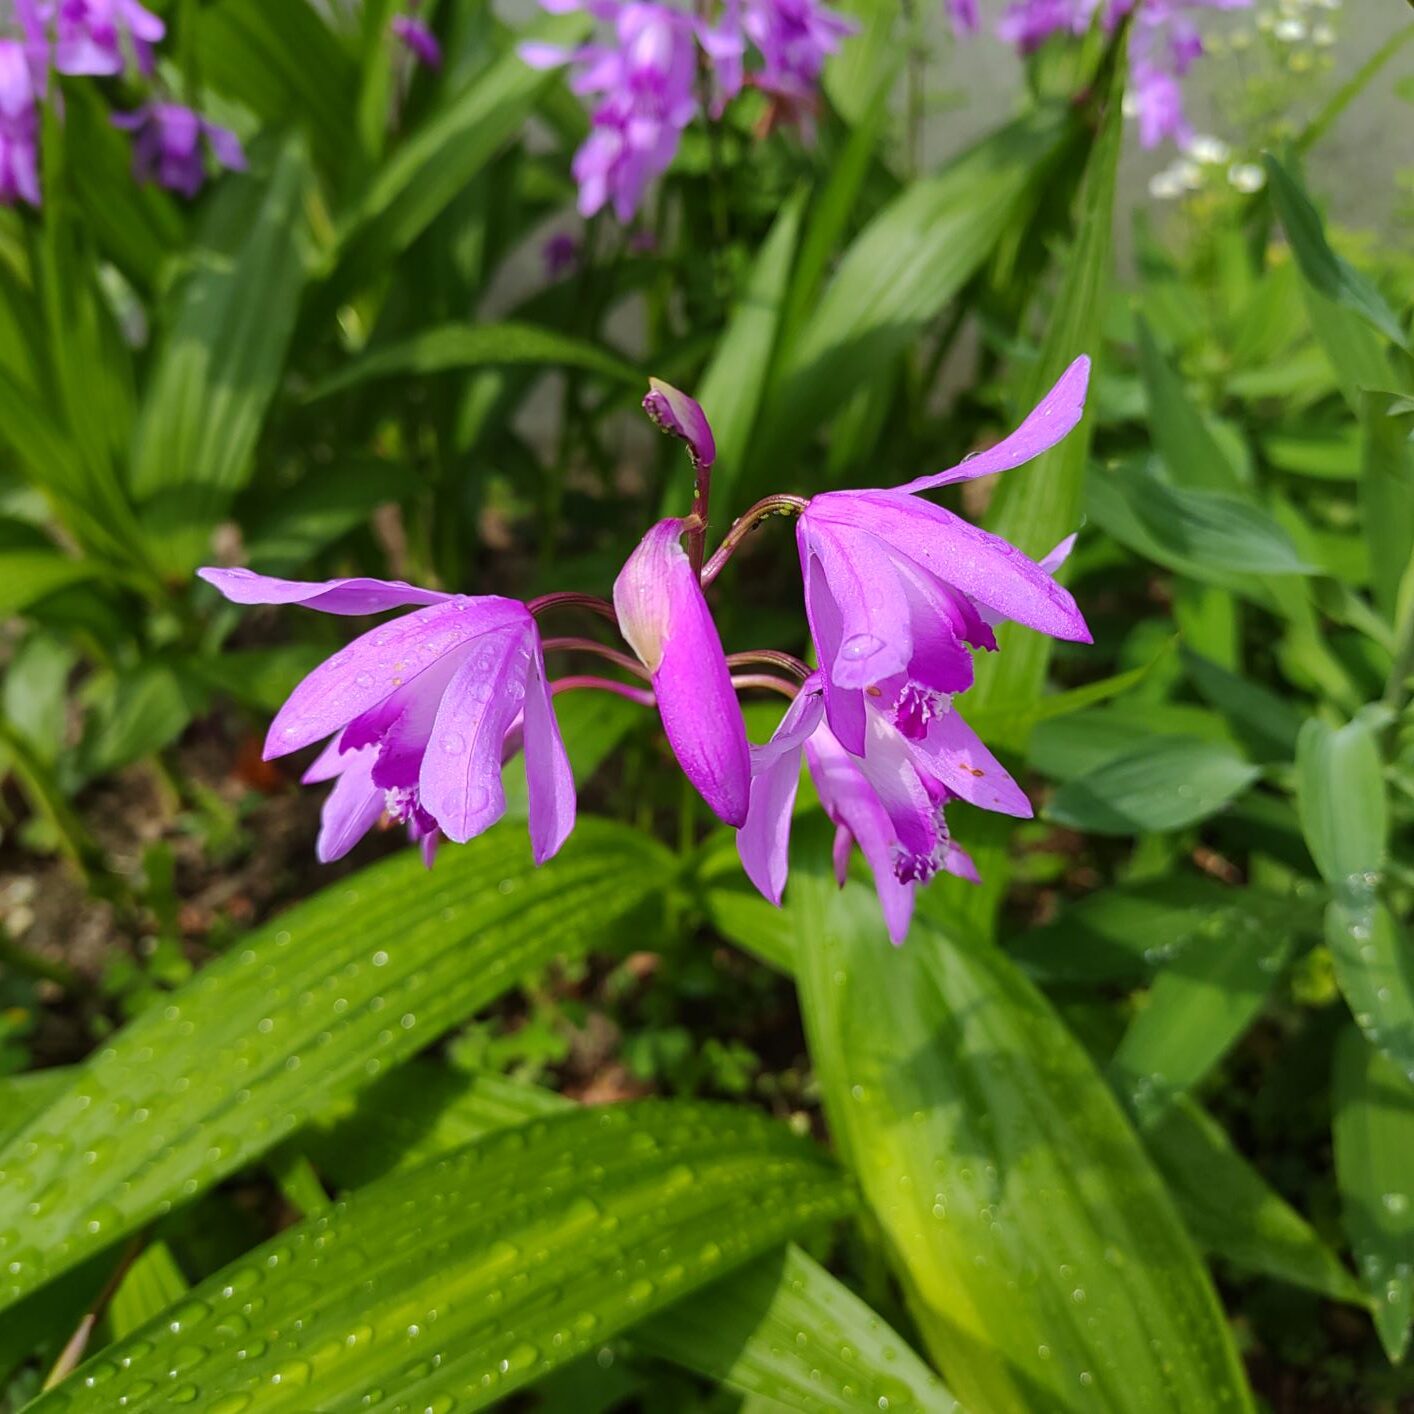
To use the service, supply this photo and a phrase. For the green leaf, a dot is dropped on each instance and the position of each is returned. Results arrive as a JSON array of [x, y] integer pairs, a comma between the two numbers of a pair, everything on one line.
[[1266, 723], [326, 997], [220, 363], [136, 712], [735, 380], [1330, 274], [1198, 1007], [1121, 935], [1374, 1138], [1221, 537], [1166, 784], [284, 63], [1041, 1257], [897, 274], [1374, 964], [1233, 1212], [1340, 796], [433, 167], [261, 678], [28, 575], [1039, 504], [549, 1239], [1181, 437], [732, 1331], [749, 921], [462, 346], [150, 1285], [24, 1096], [1386, 497], [784, 1329]]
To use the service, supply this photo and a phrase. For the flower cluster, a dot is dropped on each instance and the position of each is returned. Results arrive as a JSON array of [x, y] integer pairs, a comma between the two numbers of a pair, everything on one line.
[[642, 80], [1164, 44], [96, 38], [419, 716]]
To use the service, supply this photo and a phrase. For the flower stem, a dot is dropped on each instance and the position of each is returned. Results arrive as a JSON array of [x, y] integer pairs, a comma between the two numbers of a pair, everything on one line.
[[641, 695], [744, 524], [602, 650], [786, 689], [773, 657], [569, 599]]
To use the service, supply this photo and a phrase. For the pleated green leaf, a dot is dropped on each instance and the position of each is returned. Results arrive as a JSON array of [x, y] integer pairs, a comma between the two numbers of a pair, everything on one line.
[[1041, 1255], [1039, 504], [1200, 1005], [1169, 782], [1233, 1212], [451, 1287], [464, 346], [1326, 271], [782, 1327], [1374, 1162], [421, 179], [312, 1006], [735, 380], [1341, 800], [898, 273], [784, 1330], [1386, 496], [1374, 964]]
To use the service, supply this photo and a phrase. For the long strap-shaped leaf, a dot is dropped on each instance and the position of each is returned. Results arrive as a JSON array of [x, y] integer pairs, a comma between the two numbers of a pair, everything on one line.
[[450, 1287], [1043, 1260], [782, 1328], [333, 992]]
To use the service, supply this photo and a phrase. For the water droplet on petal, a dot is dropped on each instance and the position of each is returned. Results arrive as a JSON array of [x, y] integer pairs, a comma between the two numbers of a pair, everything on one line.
[[859, 646]]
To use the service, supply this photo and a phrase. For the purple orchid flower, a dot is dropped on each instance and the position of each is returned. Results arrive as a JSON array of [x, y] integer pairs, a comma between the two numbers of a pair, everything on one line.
[[664, 616], [794, 37], [168, 147], [560, 254], [419, 713], [19, 125], [95, 36], [890, 801], [418, 40], [963, 16], [897, 590], [645, 83]]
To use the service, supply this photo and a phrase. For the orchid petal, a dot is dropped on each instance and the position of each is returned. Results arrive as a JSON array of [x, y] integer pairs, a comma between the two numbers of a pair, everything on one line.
[[548, 778], [682, 417], [983, 566], [665, 618], [958, 863], [956, 755], [763, 842], [460, 782], [351, 808], [332, 596], [371, 668], [1050, 420], [1050, 563], [844, 707], [850, 801], [876, 637]]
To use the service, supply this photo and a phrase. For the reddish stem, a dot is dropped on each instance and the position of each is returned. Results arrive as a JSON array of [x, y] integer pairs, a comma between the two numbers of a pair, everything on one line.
[[602, 650], [641, 695], [744, 524], [774, 658], [786, 689], [570, 600]]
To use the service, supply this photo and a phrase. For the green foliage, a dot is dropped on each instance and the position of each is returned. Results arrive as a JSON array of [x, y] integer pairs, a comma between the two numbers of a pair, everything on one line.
[[377, 1137]]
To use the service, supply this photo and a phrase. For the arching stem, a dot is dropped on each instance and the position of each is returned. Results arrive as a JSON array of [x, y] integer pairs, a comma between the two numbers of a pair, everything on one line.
[[641, 695], [744, 524], [571, 600], [600, 650], [772, 684], [772, 657]]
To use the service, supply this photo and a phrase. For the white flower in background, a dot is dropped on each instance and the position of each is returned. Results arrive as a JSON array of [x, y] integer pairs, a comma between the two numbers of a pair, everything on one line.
[[1203, 147], [1290, 30], [1246, 176], [1324, 35], [1165, 185]]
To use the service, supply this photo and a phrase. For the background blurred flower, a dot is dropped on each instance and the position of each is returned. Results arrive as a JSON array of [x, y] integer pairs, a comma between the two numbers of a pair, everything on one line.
[[19, 126], [168, 147]]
